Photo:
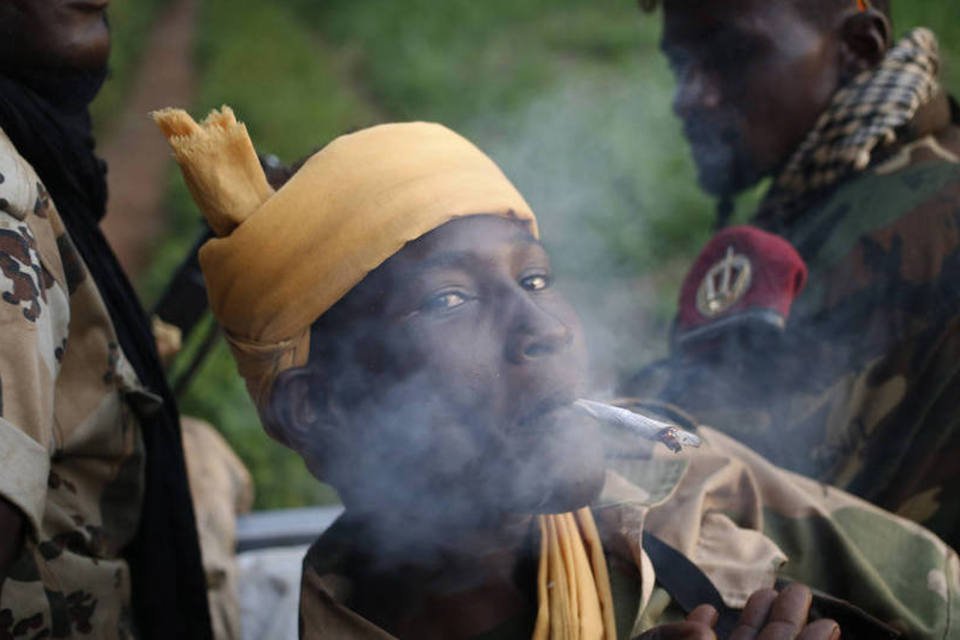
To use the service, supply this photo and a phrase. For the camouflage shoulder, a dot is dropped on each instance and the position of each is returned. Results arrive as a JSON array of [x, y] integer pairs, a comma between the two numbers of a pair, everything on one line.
[[928, 149], [20, 190], [892, 568], [26, 208]]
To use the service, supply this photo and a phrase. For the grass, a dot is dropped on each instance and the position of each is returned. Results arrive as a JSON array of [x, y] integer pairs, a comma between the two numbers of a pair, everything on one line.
[[570, 96]]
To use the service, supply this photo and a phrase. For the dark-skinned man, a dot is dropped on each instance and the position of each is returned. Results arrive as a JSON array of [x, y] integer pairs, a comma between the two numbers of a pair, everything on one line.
[[852, 380], [395, 318], [97, 536]]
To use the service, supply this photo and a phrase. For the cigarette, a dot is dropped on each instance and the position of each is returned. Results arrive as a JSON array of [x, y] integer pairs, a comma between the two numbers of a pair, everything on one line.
[[670, 435]]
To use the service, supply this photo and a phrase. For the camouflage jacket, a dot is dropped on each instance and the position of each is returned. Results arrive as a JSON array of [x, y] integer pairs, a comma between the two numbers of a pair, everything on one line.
[[742, 521], [863, 389], [69, 440]]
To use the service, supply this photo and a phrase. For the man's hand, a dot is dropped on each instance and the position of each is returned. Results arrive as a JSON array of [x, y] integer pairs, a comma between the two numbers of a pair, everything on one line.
[[11, 537], [698, 626], [768, 615]]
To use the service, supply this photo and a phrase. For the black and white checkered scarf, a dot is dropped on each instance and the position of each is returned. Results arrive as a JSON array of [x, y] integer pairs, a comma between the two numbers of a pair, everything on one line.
[[865, 117]]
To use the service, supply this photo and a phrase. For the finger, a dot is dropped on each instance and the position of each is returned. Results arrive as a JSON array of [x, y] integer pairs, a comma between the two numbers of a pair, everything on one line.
[[680, 631], [788, 615], [705, 614], [754, 614], [825, 629]]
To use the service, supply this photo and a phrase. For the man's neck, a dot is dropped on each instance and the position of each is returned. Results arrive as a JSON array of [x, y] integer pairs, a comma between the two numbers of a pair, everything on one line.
[[408, 539], [452, 583]]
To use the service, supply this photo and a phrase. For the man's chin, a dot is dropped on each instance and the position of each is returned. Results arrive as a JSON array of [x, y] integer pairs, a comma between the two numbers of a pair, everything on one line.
[[558, 493], [572, 496], [716, 184], [556, 464], [726, 181]]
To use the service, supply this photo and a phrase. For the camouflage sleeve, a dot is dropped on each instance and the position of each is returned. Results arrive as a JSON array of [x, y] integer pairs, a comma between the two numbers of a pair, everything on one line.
[[890, 567], [34, 312], [915, 443]]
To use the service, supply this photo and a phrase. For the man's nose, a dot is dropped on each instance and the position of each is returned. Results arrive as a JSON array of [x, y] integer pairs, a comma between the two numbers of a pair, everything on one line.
[[697, 90], [536, 333]]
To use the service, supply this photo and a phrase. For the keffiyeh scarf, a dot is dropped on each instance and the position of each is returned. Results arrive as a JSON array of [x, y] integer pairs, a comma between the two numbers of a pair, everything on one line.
[[866, 116]]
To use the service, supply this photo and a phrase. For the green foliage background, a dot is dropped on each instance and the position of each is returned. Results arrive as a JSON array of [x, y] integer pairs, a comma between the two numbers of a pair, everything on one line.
[[570, 96]]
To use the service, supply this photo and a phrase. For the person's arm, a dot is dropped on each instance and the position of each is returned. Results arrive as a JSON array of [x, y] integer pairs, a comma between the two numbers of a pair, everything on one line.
[[884, 567], [11, 537], [34, 316]]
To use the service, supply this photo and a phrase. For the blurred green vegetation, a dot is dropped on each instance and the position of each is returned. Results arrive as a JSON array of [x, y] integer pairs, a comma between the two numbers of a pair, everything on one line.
[[570, 96], [131, 23]]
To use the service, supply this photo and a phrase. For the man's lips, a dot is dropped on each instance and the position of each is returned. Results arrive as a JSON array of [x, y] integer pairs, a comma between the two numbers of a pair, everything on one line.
[[545, 406], [713, 128], [705, 136]]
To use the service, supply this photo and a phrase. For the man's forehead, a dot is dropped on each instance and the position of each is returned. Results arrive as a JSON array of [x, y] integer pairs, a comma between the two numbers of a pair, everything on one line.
[[650, 6], [466, 240], [702, 20], [680, 7], [472, 233], [703, 15]]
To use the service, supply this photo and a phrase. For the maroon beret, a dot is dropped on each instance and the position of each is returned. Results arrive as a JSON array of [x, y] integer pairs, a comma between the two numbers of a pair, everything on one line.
[[743, 277]]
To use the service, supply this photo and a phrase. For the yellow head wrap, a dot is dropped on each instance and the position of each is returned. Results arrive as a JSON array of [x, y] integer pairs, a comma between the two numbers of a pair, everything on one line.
[[283, 259]]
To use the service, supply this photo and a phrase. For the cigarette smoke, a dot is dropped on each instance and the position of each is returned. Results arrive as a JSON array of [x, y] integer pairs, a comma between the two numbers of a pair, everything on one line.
[[603, 163], [597, 159]]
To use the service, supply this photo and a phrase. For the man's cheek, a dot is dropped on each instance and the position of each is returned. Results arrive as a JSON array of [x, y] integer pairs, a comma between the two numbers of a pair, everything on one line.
[[469, 372], [457, 451]]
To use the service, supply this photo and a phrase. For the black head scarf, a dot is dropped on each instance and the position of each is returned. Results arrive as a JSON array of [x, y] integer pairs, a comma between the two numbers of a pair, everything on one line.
[[45, 115]]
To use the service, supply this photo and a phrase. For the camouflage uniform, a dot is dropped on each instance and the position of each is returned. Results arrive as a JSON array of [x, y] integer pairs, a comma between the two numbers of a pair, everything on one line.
[[863, 388], [70, 442], [742, 521]]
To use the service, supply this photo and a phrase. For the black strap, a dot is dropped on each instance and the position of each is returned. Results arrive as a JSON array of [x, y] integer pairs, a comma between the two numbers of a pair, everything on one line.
[[687, 584], [690, 587], [184, 301]]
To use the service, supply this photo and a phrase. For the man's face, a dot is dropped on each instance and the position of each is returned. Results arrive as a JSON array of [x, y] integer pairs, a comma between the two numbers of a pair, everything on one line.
[[57, 34], [470, 365], [752, 78]]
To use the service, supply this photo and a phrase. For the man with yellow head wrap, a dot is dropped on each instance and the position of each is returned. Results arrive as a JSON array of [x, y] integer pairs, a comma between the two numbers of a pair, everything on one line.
[[392, 312]]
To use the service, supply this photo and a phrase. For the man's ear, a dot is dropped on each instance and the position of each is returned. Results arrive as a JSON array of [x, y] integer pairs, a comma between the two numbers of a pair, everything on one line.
[[297, 402], [865, 38]]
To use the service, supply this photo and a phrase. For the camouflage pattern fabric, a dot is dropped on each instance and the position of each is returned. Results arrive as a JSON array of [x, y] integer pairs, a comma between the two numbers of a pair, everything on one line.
[[70, 444], [744, 522], [863, 389]]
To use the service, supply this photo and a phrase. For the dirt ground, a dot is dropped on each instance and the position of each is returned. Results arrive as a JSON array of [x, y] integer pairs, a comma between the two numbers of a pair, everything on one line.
[[137, 154]]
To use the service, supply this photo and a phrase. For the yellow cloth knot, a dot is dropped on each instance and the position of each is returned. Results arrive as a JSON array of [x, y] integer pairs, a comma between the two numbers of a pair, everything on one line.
[[283, 259], [573, 586]]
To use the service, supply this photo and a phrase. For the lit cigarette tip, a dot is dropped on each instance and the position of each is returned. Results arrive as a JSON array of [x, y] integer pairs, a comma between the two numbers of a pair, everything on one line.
[[670, 435]]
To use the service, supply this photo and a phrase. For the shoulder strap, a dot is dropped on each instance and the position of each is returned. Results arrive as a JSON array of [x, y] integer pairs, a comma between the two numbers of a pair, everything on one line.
[[686, 583], [691, 587]]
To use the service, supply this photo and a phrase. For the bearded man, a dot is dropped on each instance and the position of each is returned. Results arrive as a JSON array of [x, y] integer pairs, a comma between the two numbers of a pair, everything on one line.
[[852, 380]]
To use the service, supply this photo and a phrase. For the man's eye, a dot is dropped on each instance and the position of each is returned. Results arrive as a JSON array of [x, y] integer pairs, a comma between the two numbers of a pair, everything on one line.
[[444, 301], [536, 283]]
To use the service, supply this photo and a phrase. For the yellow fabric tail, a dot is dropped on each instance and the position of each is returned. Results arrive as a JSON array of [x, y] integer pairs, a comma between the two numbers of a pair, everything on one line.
[[219, 164], [573, 586]]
